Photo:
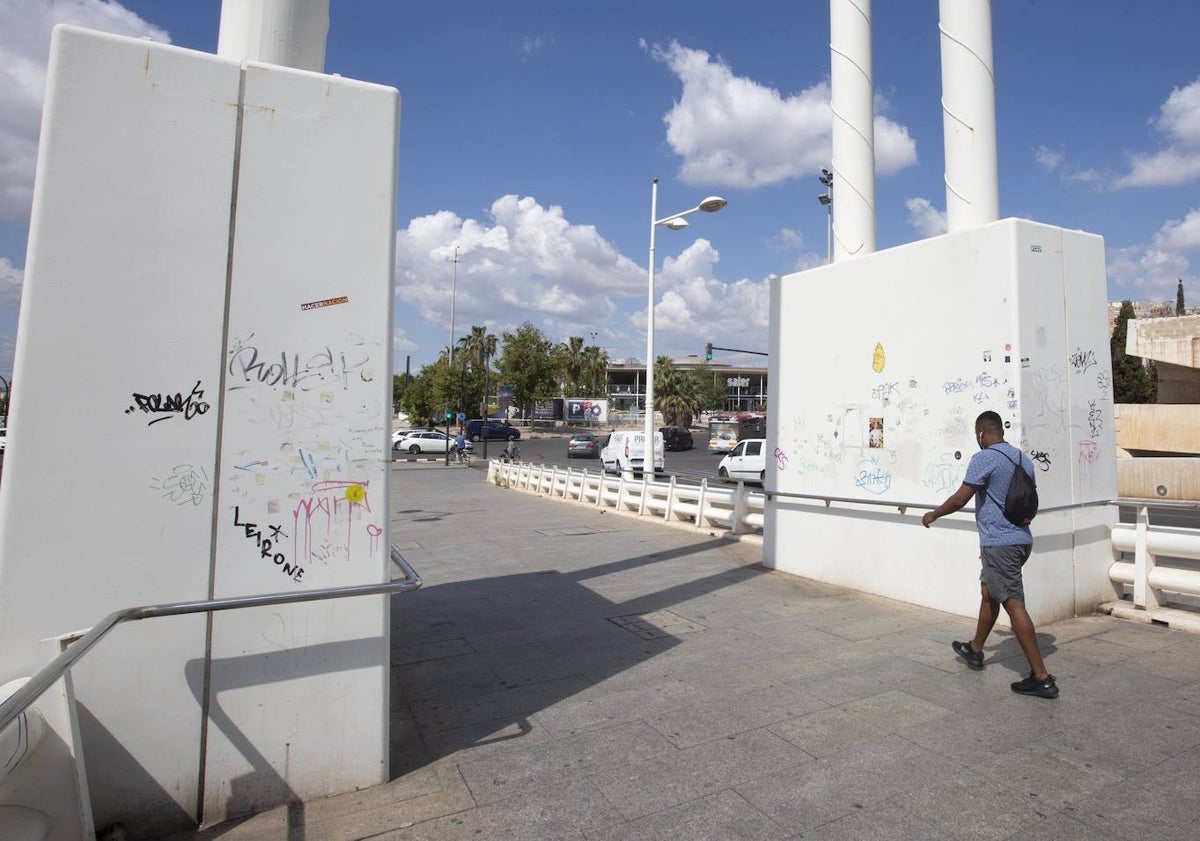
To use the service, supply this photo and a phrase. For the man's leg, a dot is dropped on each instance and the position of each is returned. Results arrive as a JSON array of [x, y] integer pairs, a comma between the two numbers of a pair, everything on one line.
[[1022, 626], [989, 611]]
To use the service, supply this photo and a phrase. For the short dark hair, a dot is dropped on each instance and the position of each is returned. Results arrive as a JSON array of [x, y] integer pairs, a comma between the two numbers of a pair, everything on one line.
[[990, 421]]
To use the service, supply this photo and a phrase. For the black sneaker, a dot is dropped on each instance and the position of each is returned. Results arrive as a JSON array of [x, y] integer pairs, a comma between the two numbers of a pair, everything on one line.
[[1032, 686], [973, 658]]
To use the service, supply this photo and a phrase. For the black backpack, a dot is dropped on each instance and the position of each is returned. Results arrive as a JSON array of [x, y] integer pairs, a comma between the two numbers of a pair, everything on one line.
[[1021, 502]]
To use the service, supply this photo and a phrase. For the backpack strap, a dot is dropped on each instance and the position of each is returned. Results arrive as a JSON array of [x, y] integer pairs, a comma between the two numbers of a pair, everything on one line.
[[1019, 462]]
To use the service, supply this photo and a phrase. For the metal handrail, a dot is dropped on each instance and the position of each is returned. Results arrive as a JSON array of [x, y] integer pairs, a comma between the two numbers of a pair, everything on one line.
[[1137, 502], [924, 506], [56, 668]]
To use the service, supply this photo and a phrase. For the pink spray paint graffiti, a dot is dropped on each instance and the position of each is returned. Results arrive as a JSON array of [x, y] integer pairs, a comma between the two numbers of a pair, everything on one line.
[[320, 516]]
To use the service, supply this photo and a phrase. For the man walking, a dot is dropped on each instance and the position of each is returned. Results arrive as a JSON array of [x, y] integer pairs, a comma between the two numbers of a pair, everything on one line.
[[1003, 550]]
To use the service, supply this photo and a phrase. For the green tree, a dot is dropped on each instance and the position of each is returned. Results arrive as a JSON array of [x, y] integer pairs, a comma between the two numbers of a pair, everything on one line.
[[711, 386], [526, 363], [595, 370], [676, 393], [1180, 309], [1132, 383], [476, 350], [571, 361]]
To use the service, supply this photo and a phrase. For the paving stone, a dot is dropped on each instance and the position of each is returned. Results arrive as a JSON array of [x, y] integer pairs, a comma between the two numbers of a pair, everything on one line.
[[827, 731], [646, 787], [832, 787], [598, 707], [1055, 780], [523, 770], [867, 678], [968, 805], [882, 823], [724, 816], [563, 811], [1063, 827], [737, 713]]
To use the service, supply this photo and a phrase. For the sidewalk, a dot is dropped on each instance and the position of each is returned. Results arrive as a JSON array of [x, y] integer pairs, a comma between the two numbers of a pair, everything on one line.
[[571, 674]]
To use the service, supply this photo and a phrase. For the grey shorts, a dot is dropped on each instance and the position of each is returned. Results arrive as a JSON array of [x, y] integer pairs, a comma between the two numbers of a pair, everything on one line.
[[1002, 570]]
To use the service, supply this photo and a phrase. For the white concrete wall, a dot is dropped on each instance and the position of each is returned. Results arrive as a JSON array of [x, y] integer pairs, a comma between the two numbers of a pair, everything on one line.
[[127, 280], [1007, 317]]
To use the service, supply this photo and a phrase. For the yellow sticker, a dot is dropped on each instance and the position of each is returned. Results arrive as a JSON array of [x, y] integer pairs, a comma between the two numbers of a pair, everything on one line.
[[878, 360], [356, 493]]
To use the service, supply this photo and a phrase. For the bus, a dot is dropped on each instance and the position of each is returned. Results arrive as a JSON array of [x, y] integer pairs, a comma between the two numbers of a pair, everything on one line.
[[724, 431]]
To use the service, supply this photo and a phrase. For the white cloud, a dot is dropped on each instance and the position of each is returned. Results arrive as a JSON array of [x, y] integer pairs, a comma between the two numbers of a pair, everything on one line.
[[1152, 271], [11, 281], [1179, 161], [787, 240], [1180, 235], [1049, 159], [732, 131], [24, 53], [695, 307], [527, 263], [927, 219]]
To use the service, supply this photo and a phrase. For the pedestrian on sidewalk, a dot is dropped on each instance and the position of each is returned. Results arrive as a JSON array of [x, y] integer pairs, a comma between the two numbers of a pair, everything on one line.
[[1004, 547]]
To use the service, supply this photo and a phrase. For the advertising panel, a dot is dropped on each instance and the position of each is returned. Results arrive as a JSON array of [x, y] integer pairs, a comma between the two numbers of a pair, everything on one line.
[[587, 410]]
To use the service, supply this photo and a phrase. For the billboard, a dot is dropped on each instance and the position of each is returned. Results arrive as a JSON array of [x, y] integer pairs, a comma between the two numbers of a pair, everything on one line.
[[584, 410], [546, 410]]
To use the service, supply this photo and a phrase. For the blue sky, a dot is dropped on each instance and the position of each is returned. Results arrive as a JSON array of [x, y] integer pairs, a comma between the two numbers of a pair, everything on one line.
[[530, 132]]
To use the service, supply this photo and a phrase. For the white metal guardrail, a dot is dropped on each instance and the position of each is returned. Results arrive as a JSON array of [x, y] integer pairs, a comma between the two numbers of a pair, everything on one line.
[[1162, 555], [734, 508]]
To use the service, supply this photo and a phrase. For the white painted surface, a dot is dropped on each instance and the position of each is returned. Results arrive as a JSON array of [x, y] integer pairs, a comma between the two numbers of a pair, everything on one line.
[[305, 445], [969, 113], [101, 507], [925, 357], [289, 33], [853, 102], [125, 295]]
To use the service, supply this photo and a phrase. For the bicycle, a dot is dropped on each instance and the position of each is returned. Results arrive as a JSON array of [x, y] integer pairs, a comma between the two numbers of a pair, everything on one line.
[[463, 456]]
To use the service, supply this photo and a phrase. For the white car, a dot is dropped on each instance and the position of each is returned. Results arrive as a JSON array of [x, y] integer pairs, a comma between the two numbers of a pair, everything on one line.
[[747, 462], [423, 442], [399, 435]]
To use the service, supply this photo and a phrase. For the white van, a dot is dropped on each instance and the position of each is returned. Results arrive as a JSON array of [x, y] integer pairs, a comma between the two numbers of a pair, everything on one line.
[[625, 450], [747, 461]]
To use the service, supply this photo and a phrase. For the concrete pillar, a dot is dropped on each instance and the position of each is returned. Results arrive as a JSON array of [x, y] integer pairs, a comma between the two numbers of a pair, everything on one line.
[[969, 114], [290, 33], [852, 99]]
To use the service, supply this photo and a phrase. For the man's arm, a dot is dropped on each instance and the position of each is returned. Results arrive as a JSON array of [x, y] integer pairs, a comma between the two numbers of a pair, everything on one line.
[[953, 503]]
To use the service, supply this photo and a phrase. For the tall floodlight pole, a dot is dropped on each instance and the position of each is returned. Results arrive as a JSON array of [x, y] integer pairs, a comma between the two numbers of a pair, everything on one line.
[[826, 198], [453, 297], [675, 222]]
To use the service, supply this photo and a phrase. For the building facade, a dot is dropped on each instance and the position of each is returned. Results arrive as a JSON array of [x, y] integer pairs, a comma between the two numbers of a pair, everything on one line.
[[745, 386]]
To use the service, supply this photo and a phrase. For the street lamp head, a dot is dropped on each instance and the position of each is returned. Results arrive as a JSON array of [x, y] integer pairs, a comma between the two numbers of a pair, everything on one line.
[[676, 224], [712, 204]]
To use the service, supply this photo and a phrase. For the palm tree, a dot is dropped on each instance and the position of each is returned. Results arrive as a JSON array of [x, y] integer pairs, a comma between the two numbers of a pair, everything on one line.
[[477, 348], [572, 363], [675, 393], [595, 370]]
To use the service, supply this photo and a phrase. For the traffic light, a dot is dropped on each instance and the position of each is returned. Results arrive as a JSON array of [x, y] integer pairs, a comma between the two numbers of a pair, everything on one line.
[[708, 352], [449, 416]]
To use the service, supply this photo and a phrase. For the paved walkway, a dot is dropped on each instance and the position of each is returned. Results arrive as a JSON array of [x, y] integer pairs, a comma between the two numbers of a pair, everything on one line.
[[572, 674]]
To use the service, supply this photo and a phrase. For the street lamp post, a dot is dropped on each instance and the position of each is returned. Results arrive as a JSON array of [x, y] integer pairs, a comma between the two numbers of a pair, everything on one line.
[[675, 222]]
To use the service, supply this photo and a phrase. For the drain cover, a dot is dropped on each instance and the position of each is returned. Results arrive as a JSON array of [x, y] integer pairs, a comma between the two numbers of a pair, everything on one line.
[[655, 625], [572, 531]]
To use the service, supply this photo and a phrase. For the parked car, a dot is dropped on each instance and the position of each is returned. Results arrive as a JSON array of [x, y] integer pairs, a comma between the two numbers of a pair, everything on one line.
[[3, 437], [400, 434], [423, 442], [626, 450], [583, 445], [747, 462], [492, 429], [677, 438]]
